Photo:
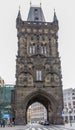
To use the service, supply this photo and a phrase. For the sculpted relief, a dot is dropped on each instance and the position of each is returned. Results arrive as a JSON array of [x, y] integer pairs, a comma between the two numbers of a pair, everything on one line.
[[25, 79]]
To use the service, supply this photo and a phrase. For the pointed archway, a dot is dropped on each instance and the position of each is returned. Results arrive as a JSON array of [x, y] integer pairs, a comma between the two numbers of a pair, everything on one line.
[[47, 100]]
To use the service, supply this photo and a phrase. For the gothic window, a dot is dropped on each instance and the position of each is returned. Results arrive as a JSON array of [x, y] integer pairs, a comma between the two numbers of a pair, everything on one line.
[[43, 49], [38, 75], [32, 49]]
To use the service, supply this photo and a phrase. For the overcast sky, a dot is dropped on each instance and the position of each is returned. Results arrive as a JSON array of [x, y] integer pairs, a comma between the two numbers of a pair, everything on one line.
[[65, 10]]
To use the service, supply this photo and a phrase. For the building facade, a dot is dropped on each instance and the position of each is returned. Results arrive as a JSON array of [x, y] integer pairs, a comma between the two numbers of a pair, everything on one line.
[[38, 113], [5, 100], [69, 104], [38, 67]]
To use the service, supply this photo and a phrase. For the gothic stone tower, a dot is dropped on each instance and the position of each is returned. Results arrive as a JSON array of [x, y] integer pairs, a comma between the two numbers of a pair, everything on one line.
[[38, 66]]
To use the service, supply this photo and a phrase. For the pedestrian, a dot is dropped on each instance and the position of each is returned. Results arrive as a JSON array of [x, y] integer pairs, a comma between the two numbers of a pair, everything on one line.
[[1, 122]]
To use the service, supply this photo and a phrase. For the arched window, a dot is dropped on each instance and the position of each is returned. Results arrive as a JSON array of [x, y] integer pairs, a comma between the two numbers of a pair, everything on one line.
[[43, 49], [38, 75], [32, 49]]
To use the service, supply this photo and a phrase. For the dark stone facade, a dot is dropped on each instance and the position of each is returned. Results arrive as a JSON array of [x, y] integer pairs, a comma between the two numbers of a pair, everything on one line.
[[38, 69]]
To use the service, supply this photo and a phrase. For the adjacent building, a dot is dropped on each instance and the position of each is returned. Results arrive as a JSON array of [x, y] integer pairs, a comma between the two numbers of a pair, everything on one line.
[[69, 104], [38, 112], [5, 100]]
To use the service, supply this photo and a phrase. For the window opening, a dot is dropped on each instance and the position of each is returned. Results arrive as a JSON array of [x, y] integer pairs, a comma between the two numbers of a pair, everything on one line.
[[32, 49], [38, 75]]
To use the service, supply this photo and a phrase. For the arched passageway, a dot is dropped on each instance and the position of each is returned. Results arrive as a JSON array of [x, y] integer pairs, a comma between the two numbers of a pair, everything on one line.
[[36, 113], [45, 99]]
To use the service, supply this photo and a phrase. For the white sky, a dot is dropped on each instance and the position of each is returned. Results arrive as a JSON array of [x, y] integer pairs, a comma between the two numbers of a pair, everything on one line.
[[65, 10]]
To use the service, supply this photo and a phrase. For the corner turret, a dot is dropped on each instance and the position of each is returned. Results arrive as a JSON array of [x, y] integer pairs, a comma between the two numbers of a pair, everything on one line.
[[55, 20], [18, 19]]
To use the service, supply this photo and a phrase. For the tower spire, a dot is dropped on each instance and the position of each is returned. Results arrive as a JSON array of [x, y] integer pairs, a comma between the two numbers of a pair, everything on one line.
[[40, 4], [55, 17], [30, 3], [18, 16]]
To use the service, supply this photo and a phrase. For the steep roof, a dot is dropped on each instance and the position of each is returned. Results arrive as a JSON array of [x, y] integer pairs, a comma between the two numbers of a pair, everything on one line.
[[36, 14]]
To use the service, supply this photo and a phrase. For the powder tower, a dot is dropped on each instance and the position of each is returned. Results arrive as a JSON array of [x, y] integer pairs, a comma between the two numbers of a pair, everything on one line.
[[38, 67]]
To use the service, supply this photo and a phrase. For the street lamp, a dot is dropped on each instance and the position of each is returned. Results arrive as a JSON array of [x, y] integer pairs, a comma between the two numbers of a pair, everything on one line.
[[70, 111]]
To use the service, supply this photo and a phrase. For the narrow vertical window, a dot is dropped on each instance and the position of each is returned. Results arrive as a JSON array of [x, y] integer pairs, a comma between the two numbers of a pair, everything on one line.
[[32, 49], [44, 49], [38, 75]]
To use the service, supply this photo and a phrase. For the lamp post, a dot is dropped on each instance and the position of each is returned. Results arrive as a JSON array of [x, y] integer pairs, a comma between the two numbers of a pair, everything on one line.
[[70, 111]]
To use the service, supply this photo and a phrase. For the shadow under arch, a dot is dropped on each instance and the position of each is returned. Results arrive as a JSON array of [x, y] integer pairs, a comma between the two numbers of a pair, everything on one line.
[[48, 101]]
